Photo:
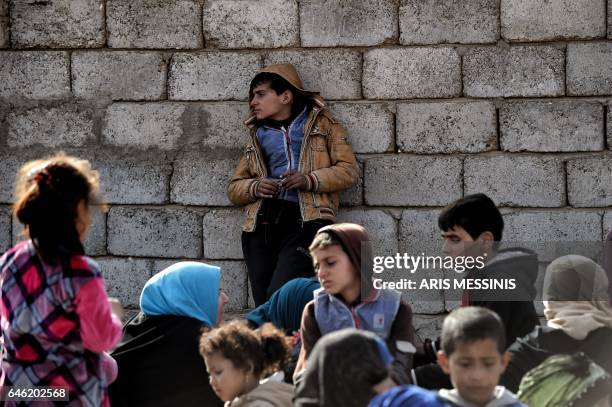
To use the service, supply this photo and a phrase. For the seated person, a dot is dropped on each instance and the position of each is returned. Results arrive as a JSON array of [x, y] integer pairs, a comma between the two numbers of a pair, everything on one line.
[[578, 319], [238, 358], [473, 354], [473, 226], [159, 363], [347, 368], [347, 298], [284, 309]]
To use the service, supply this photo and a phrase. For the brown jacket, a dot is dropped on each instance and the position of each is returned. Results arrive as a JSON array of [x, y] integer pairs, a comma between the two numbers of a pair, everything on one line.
[[326, 158]]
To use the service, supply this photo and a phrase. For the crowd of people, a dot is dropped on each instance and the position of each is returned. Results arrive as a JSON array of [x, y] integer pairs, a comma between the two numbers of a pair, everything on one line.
[[321, 334]]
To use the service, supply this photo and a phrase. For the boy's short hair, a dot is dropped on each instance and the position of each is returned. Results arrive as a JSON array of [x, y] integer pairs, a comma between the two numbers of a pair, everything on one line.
[[469, 324], [476, 214], [276, 83]]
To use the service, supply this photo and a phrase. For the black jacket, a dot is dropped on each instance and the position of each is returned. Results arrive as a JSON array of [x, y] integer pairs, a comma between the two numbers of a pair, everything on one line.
[[515, 307], [160, 365]]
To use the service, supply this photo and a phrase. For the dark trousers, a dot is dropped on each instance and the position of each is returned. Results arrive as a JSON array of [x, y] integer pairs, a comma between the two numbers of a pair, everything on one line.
[[277, 250]]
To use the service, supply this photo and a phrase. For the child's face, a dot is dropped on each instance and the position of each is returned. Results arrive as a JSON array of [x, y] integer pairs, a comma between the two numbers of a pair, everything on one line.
[[226, 380], [267, 104], [334, 270], [458, 242], [475, 368]]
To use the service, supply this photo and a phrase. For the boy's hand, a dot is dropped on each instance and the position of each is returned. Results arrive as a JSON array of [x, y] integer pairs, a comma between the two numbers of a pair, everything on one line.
[[266, 188], [116, 308], [294, 180]]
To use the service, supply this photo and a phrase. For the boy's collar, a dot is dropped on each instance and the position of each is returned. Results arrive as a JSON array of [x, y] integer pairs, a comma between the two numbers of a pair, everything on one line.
[[277, 124], [499, 394]]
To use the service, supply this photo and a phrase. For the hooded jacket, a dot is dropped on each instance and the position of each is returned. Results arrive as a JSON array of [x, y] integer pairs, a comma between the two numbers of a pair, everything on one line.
[[344, 367], [502, 398], [381, 312], [326, 159]]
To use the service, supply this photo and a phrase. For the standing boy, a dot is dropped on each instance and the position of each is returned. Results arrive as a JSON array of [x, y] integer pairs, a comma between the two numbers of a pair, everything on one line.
[[296, 161]]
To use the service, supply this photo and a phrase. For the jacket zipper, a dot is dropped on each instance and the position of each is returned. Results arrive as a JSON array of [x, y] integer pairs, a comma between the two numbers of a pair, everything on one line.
[[287, 137], [352, 311], [289, 152]]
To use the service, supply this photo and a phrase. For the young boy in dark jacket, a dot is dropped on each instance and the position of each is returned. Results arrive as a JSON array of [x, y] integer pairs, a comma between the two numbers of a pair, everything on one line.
[[296, 161], [473, 226]]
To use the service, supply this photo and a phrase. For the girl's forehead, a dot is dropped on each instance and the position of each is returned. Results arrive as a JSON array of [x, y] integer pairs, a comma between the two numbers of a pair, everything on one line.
[[331, 250], [216, 359]]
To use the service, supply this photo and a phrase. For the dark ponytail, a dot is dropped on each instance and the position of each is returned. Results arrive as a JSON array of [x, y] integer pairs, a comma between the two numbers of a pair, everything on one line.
[[275, 348], [48, 193]]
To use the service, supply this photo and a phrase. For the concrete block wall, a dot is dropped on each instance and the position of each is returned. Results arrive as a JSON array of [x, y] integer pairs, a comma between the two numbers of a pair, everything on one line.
[[441, 99]]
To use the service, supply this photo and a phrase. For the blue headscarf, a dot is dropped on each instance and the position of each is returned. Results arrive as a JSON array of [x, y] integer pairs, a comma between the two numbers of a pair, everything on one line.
[[186, 288], [407, 396], [284, 309]]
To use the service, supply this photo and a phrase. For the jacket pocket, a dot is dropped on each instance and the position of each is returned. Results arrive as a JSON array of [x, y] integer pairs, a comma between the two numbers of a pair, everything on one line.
[[318, 139]]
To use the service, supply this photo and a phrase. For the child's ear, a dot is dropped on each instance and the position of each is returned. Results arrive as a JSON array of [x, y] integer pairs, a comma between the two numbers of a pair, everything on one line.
[[487, 239], [287, 97], [486, 236], [443, 362]]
